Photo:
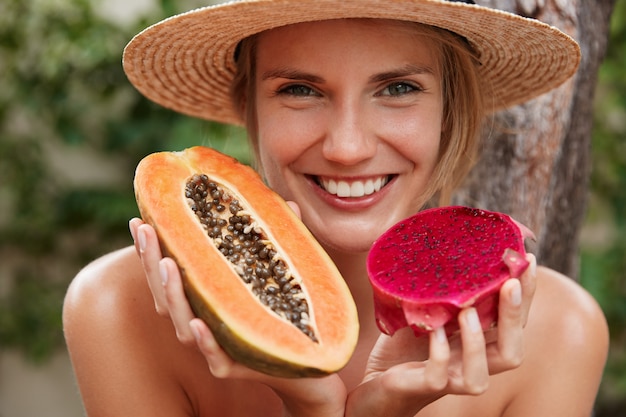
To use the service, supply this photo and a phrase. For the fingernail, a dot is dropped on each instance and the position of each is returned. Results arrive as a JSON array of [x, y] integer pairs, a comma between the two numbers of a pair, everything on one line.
[[440, 335], [207, 339], [194, 330], [163, 271], [515, 261], [471, 317], [132, 231], [533, 265], [516, 294], [141, 237]]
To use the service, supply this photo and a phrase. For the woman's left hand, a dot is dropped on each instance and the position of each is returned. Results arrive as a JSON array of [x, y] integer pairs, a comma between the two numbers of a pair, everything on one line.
[[405, 373]]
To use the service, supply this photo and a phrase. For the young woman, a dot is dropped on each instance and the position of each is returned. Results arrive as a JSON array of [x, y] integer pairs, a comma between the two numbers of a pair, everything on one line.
[[339, 97]]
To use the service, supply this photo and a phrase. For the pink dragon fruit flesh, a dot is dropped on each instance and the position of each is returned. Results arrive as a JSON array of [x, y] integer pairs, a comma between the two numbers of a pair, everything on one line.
[[426, 268]]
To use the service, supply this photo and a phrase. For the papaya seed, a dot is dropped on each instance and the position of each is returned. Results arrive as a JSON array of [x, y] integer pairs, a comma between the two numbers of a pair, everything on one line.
[[243, 243]]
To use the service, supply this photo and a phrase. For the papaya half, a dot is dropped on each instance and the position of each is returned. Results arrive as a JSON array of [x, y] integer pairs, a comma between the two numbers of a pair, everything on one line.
[[252, 271]]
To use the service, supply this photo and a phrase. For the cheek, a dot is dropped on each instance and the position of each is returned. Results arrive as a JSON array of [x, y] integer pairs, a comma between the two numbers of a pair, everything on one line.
[[416, 136], [280, 144], [271, 137], [282, 140]]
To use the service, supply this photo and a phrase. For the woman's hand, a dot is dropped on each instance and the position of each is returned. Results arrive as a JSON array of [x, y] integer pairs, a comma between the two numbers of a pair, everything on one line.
[[169, 297], [405, 373], [302, 397]]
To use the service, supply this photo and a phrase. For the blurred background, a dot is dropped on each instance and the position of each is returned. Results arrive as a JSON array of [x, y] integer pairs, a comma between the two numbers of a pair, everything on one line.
[[72, 130]]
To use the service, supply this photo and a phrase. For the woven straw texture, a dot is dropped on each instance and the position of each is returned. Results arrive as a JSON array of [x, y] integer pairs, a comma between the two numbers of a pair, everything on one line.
[[185, 63]]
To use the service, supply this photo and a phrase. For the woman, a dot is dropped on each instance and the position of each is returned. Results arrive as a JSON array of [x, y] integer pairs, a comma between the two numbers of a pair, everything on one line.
[[337, 94]]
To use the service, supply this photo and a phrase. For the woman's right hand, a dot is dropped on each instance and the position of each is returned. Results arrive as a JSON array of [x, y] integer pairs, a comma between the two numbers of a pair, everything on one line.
[[302, 397], [169, 298]]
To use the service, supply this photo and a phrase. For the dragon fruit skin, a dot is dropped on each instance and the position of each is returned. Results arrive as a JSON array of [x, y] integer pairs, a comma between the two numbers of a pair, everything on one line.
[[425, 269]]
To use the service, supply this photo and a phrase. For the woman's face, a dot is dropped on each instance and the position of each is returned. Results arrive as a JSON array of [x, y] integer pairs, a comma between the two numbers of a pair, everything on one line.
[[349, 123]]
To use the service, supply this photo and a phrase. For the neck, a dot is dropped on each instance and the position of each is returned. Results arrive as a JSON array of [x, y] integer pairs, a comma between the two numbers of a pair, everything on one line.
[[353, 269]]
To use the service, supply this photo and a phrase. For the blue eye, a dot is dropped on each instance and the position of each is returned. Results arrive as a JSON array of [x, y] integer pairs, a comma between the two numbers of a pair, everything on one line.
[[399, 89], [298, 90]]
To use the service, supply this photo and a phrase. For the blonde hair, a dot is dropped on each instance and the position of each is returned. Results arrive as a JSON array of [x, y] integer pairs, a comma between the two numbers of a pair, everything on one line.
[[463, 105], [463, 113]]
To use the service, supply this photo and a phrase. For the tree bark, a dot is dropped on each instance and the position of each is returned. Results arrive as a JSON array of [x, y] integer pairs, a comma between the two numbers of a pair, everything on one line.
[[536, 157]]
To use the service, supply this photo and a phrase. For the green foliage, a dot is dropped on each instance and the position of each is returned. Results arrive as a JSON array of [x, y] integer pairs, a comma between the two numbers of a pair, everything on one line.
[[72, 130], [603, 270]]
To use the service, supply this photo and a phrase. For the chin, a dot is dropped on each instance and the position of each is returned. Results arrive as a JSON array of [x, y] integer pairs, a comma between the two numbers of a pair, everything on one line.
[[347, 248], [349, 242], [350, 233]]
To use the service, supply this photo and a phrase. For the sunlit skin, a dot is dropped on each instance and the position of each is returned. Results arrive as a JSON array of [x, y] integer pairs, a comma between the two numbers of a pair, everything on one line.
[[364, 111], [344, 101]]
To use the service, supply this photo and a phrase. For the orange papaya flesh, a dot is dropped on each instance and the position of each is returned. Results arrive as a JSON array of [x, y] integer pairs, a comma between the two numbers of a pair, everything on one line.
[[252, 271]]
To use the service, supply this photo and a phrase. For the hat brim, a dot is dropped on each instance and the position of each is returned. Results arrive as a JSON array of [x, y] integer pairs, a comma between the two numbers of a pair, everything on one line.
[[186, 62]]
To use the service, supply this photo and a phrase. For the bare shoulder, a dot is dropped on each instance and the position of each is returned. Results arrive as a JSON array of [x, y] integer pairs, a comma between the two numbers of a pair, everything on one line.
[[109, 310], [128, 360], [565, 310], [566, 350], [104, 284], [118, 344], [120, 262]]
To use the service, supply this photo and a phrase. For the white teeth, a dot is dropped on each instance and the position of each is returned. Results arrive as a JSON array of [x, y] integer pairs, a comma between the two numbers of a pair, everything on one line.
[[343, 189], [331, 186], [353, 189], [357, 189], [378, 184]]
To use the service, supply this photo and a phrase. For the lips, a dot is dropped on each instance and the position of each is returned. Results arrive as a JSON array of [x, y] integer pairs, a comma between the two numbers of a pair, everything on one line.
[[352, 188]]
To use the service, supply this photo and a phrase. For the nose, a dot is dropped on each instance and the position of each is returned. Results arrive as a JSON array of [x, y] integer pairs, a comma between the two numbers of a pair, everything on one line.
[[349, 137]]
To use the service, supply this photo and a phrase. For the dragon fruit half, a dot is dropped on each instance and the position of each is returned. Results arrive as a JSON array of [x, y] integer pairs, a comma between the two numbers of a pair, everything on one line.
[[426, 268]]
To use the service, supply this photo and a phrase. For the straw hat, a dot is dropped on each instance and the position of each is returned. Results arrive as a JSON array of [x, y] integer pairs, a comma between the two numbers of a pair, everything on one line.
[[186, 62]]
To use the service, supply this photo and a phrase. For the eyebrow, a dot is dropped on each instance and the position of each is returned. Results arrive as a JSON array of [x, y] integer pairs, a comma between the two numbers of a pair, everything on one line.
[[404, 71], [291, 74], [294, 74]]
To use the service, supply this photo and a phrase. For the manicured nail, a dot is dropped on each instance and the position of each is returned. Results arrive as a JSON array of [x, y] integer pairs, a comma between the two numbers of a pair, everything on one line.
[[533, 265], [141, 236], [515, 261], [194, 330], [440, 335], [132, 232], [516, 293], [471, 317], [207, 340], [163, 271]]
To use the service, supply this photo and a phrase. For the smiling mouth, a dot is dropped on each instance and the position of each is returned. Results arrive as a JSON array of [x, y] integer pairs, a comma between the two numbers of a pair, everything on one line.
[[353, 188]]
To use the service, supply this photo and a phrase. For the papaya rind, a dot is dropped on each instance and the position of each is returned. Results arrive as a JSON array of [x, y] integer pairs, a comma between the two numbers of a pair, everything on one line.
[[167, 171], [243, 351]]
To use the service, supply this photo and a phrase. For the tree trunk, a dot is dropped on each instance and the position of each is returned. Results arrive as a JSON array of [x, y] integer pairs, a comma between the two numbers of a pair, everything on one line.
[[536, 159]]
